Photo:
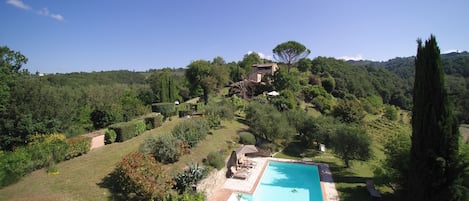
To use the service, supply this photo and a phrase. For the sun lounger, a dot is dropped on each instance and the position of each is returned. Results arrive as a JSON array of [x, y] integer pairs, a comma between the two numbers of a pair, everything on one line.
[[370, 186], [239, 174], [247, 164]]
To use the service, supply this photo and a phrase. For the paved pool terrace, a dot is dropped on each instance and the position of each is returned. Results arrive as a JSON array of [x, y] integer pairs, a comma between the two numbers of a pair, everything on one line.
[[222, 189]]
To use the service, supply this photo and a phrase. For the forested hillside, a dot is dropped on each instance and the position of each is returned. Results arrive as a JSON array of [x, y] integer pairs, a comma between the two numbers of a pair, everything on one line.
[[75, 103], [346, 106], [456, 67]]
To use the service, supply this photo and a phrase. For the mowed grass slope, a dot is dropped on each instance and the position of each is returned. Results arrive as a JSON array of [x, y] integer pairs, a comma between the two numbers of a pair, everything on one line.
[[82, 178]]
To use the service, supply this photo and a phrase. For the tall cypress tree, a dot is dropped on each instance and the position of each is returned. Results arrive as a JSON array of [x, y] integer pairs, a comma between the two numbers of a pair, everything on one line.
[[435, 131]]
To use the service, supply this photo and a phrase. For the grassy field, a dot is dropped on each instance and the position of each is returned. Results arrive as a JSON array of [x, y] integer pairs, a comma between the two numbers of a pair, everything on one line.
[[83, 178]]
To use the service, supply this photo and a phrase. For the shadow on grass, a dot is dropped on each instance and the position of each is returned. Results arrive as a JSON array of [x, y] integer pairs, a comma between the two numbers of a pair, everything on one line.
[[242, 121], [297, 149], [109, 182], [350, 185], [354, 193]]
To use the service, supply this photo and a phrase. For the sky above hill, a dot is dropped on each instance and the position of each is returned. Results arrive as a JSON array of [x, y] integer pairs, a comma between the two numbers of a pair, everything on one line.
[[87, 35]]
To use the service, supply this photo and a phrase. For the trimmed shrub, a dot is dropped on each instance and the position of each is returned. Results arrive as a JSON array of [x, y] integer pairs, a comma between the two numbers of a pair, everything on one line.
[[110, 136], [124, 131], [158, 121], [183, 109], [78, 146], [153, 121], [165, 148], [191, 130], [143, 175], [166, 109], [140, 127], [247, 138], [199, 107], [215, 159]]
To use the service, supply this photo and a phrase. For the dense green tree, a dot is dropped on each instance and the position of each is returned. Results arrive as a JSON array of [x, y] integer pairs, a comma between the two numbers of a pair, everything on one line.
[[312, 131], [221, 75], [249, 60], [237, 73], [101, 119], [10, 65], [351, 143], [164, 86], [395, 167], [290, 53], [328, 83], [219, 61], [132, 106], [349, 111], [268, 123], [305, 64], [433, 155], [285, 101], [202, 74], [198, 75], [284, 80]]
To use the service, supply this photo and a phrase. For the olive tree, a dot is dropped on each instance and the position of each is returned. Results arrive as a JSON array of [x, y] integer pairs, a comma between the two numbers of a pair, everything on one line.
[[351, 143]]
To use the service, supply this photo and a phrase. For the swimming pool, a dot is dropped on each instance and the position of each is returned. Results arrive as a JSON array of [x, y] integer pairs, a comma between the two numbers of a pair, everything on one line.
[[287, 181]]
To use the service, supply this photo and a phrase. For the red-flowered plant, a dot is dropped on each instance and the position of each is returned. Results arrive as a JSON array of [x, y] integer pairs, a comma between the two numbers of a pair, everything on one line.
[[143, 175]]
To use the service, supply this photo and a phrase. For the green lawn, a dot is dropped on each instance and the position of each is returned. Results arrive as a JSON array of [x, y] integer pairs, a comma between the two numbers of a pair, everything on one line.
[[83, 178], [350, 182]]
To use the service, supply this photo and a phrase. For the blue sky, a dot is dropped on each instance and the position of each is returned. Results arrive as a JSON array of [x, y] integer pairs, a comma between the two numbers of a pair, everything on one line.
[[88, 35]]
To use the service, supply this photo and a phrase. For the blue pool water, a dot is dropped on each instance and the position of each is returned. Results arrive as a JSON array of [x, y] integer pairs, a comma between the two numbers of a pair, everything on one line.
[[288, 181]]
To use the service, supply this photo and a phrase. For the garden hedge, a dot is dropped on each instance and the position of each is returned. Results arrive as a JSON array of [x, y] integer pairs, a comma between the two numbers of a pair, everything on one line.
[[124, 131], [153, 120], [128, 130], [78, 146], [166, 109]]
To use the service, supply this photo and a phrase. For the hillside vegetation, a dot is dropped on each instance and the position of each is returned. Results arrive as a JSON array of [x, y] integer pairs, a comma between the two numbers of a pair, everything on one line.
[[359, 110]]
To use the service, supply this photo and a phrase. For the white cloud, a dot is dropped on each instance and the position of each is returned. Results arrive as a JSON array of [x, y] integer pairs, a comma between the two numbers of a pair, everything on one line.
[[43, 11], [355, 58], [57, 17], [262, 55], [18, 4]]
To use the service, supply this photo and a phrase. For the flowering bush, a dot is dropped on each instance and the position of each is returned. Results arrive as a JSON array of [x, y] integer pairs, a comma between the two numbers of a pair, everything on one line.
[[78, 146], [143, 175]]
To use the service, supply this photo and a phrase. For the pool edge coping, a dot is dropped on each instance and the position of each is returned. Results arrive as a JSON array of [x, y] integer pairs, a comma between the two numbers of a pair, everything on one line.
[[328, 189]]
